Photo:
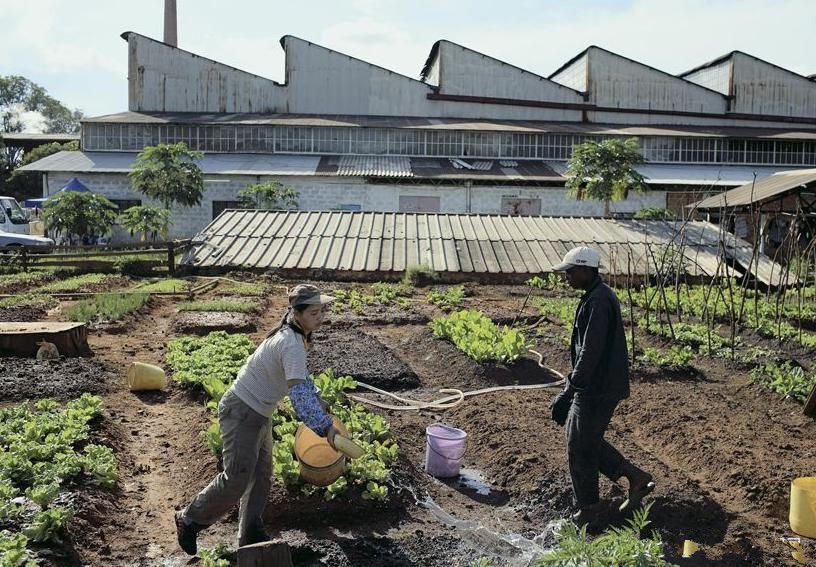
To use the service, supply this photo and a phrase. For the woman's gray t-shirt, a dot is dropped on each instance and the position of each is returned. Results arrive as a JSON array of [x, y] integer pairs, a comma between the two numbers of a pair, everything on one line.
[[270, 370]]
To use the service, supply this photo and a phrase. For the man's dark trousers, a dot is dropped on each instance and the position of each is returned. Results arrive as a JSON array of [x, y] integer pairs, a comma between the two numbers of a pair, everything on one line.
[[587, 450]]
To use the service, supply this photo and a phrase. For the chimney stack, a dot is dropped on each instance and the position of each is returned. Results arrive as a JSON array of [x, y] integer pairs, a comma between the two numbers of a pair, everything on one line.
[[170, 23]]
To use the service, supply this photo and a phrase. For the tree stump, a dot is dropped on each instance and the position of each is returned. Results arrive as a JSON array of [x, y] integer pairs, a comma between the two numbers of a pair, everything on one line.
[[265, 554]]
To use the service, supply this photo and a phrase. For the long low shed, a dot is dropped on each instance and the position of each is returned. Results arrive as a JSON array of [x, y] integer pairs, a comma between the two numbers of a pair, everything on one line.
[[388, 243]]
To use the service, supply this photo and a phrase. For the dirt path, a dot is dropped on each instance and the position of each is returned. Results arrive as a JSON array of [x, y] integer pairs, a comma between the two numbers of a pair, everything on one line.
[[159, 448]]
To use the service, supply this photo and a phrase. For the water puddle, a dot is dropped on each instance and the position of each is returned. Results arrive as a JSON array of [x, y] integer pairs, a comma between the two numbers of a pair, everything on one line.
[[514, 549], [474, 480], [473, 484]]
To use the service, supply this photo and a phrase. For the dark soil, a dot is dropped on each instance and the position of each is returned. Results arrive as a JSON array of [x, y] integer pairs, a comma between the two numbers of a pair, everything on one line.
[[204, 322], [28, 378], [8, 314], [722, 451], [362, 356]]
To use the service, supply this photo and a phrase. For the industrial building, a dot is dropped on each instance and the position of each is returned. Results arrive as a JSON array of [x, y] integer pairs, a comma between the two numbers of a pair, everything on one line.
[[472, 134]]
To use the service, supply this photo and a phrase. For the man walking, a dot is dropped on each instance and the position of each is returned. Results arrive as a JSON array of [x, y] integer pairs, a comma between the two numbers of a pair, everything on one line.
[[598, 381]]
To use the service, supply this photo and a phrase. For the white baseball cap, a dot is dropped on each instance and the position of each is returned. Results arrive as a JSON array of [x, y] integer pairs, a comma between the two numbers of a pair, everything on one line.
[[579, 256]]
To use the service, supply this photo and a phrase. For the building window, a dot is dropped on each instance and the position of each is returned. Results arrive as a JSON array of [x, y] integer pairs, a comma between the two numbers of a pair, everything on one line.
[[759, 151], [293, 139], [348, 207], [368, 141], [418, 204], [219, 207], [331, 140], [125, 204], [517, 206], [481, 144], [443, 143], [406, 142]]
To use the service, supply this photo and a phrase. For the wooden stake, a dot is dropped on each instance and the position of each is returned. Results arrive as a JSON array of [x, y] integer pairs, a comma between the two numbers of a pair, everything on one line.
[[810, 405]]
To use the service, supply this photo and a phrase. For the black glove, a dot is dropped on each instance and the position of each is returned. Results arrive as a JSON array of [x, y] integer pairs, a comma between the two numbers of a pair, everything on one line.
[[560, 406]]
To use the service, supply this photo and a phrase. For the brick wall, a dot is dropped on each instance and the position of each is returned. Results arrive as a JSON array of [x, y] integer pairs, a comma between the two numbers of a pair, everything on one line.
[[324, 193]]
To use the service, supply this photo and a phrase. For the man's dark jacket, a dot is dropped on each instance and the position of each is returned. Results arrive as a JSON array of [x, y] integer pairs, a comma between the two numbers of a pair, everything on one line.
[[600, 365]]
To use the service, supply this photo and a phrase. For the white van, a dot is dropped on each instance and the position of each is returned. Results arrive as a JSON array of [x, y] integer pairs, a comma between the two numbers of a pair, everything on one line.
[[12, 216]]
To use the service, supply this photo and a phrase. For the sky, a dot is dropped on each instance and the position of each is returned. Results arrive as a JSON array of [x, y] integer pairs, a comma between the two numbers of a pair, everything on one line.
[[74, 49]]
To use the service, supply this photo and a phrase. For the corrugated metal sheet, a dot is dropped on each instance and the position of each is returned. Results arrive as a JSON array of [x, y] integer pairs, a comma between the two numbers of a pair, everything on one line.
[[694, 174], [375, 166], [763, 190], [500, 125], [225, 164], [390, 242]]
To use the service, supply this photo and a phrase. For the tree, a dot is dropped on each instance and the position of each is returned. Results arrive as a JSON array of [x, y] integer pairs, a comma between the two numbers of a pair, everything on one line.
[[150, 221], [168, 174], [26, 105], [79, 214], [269, 195], [605, 171], [655, 213]]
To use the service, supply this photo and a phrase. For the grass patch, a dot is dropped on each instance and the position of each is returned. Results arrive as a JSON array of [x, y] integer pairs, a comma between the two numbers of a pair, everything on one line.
[[107, 307], [232, 306], [86, 282], [168, 285], [249, 289], [43, 302]]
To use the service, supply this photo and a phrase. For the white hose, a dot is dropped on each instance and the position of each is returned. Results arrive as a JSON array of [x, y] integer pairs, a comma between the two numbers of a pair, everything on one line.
[[454, 400]]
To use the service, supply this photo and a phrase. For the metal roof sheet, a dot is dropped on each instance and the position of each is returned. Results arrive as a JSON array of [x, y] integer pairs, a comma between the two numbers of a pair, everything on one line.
[[375, 166], [796, 132], [391, 242], [694, 174], [224, 164], [761, 190]]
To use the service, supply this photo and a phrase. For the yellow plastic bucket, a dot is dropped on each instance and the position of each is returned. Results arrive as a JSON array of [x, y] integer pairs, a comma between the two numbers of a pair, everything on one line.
[[141, 376], [803, 506], [320, 464]]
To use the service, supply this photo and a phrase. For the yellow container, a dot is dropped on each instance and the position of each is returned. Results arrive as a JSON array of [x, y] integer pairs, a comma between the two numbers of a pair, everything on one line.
[[141, 376], [803, 506], [320, 464]]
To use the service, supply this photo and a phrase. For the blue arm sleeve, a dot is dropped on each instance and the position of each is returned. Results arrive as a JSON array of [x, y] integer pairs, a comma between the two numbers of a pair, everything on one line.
[[307, 406]]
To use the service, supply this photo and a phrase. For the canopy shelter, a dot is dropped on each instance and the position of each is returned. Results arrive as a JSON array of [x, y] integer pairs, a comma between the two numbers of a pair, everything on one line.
[[74, 185], [784, 192]]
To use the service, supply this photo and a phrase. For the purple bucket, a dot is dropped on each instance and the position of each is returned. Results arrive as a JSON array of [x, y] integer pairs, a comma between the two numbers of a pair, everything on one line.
[[444, 450]]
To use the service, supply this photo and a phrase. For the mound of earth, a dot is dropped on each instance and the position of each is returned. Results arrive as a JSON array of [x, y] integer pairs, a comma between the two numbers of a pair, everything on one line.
[[28, 378], [204, 322], [361, 356], [21, 314]]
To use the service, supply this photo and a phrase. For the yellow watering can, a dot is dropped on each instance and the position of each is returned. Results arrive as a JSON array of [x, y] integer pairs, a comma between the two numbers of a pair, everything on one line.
[[803, 506], [142, 376]]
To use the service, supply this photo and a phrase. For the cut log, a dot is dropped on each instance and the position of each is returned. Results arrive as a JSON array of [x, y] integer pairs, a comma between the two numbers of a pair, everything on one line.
[[266, 554]]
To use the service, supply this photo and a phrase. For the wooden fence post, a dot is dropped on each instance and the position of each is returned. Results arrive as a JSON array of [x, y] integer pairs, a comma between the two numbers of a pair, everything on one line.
[[171, 258]]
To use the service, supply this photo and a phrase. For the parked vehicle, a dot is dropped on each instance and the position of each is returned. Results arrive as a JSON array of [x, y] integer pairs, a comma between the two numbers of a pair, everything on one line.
[[17, 239], [12, 216]]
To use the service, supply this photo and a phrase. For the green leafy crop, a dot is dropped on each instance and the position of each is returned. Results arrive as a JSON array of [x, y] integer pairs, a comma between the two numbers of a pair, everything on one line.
[[478, 337]]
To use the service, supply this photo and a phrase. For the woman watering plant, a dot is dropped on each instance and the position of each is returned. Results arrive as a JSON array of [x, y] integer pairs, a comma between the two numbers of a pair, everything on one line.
[[275, 369]]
